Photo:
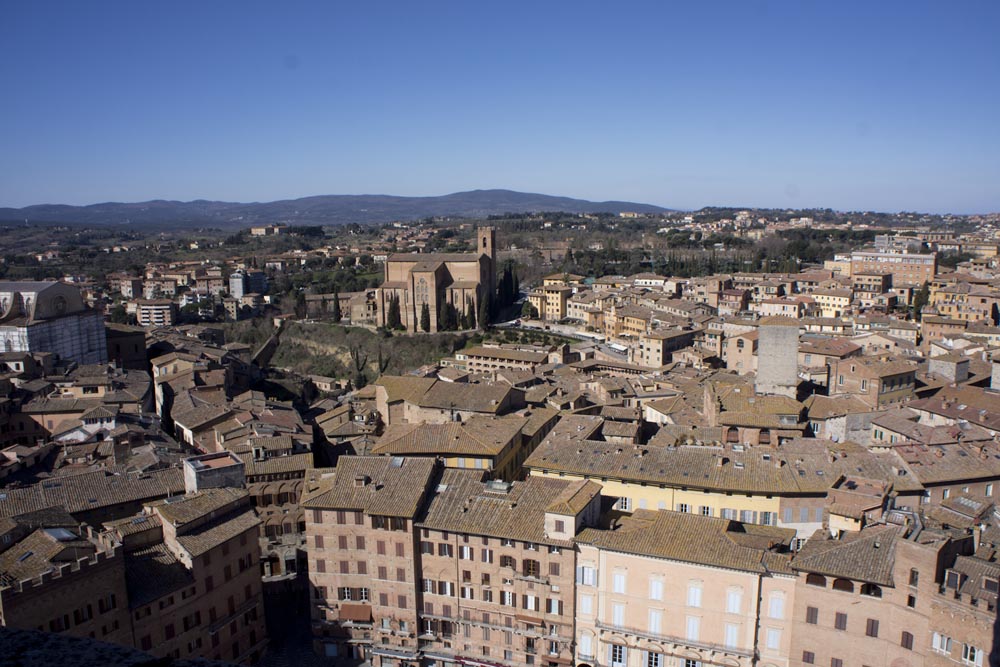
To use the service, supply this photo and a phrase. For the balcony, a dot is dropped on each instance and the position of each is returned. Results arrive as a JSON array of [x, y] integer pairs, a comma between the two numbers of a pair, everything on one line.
[[675, 641]]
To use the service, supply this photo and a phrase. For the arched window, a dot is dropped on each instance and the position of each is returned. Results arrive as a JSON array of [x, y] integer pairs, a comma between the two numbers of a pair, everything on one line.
[[872, 590], [844, 585], [816, 580]]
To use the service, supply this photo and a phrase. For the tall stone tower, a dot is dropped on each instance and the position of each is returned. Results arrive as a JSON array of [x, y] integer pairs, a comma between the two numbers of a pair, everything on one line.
[[487, 244], [778, 357]]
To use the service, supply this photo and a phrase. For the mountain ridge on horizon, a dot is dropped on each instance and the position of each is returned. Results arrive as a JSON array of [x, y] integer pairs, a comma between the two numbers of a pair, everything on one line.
[[315, 209]]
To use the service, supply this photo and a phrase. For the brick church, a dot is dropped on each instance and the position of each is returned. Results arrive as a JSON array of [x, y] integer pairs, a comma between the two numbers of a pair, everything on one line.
[[460, 279]]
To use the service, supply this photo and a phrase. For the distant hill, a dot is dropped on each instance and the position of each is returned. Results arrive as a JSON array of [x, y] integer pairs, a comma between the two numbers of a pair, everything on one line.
[[319, 210]]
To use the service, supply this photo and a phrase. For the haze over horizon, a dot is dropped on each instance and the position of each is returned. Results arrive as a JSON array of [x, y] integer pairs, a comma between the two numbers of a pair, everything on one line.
[[854, 106]]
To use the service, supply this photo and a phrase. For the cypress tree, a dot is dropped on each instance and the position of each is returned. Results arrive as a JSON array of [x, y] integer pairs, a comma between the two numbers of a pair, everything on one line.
[[337, 315], [425, 318], [392, 318]]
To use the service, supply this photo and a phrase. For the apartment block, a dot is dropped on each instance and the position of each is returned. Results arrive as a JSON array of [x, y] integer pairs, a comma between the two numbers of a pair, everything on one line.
[[362, 546], [475, 571], [905, 268], [658, 589]]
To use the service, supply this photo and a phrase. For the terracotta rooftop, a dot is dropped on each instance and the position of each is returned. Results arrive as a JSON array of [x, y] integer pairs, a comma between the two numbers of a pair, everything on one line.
[[692, 538], [464, 503]]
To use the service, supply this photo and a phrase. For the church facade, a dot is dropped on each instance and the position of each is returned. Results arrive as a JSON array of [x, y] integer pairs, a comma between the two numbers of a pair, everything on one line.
[[462, 280], [50, 316]]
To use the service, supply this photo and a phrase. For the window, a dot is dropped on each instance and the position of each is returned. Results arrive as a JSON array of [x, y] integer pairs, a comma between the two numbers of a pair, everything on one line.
[[808, 657], [625, 504], [871, 590], [734, 601], [553, 569], [906, 641], [989, 491], [586, 575], [531, 568], [618, 585], [836, 662], [560, 526], [617, 655], [508, 561], [840, 621], [693, 628], [815, 580], [466, 553], [654, 659], [732, 635], [776, 606], [586, 648], [554, 606], [507, 599], [773, 642], [844, 585], [972, 655], [655, 621], [941, 643], [694, 594], [618, 615], [812, 615], [914, 576], [655, 588], [587, 604], [871, 628], [486, 555]]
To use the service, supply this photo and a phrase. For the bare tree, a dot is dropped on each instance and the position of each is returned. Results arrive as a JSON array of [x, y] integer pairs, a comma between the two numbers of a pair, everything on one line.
[[360, 361]]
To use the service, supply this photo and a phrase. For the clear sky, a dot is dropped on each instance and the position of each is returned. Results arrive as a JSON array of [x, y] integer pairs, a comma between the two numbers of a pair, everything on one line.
[[850, 105]]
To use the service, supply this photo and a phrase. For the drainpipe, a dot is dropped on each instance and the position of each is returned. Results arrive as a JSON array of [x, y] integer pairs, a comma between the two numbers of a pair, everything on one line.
[[755, 655]]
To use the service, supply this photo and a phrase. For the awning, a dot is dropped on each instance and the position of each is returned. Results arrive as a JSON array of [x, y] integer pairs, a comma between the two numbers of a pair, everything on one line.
[[479, 663], [534, 620], [359, 613], [394, 653]]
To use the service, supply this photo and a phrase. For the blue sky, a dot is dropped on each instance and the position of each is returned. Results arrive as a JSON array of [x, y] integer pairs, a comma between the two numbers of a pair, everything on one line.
[[850, 105]]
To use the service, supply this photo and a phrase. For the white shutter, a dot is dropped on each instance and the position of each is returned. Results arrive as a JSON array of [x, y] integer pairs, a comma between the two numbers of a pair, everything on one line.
[[693, 628]]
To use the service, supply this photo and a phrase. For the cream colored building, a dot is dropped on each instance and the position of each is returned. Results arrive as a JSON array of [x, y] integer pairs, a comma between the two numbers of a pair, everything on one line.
[[662, 589], [832, 302]]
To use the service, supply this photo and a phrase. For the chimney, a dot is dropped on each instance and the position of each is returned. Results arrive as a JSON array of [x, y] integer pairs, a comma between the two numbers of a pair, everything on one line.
[[361, 480]]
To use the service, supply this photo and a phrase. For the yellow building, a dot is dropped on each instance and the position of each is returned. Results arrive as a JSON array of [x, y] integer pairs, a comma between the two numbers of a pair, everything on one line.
[[776, 486], [832, 302], [550, 300], [495, 444]]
